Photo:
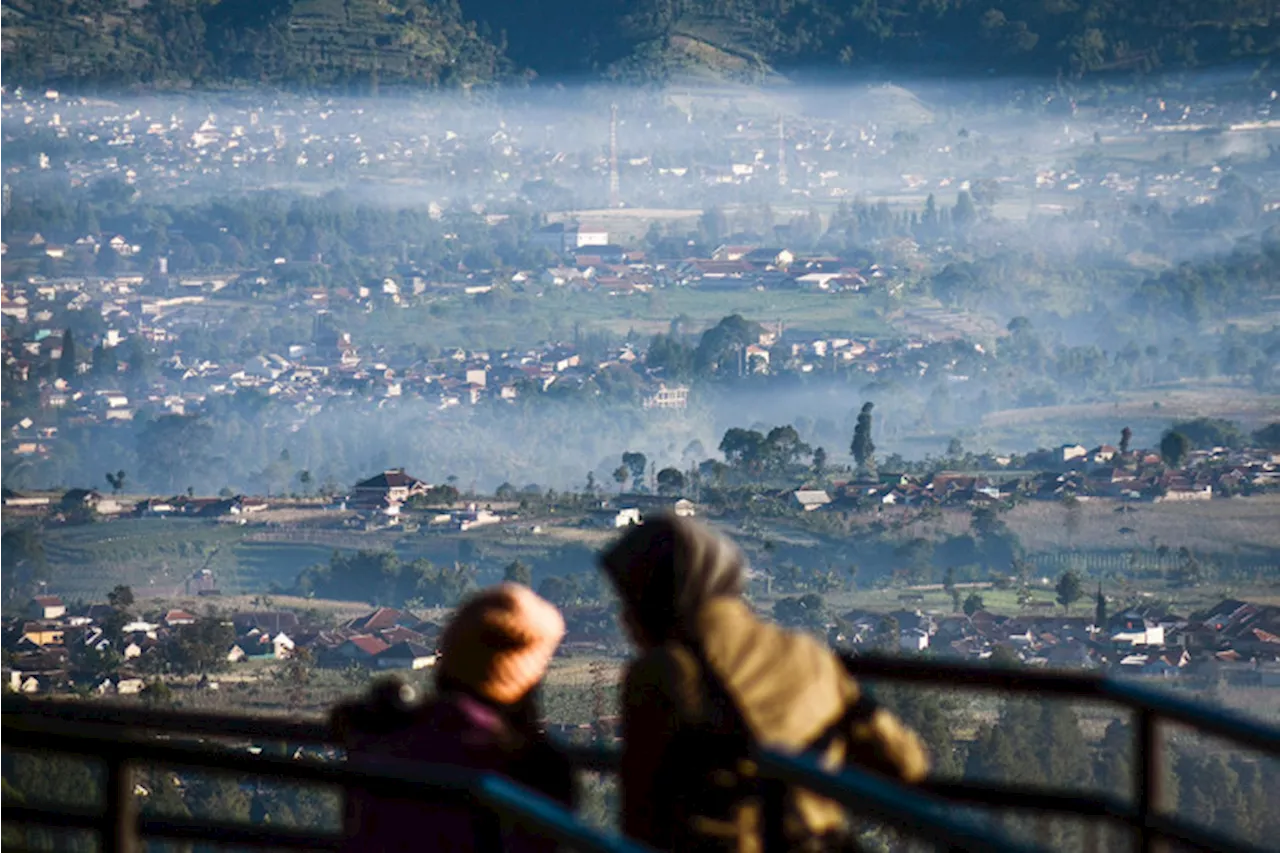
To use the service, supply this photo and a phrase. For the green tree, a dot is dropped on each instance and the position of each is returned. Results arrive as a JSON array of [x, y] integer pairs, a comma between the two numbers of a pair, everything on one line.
[[518, 572], [782, 447], [724, 344], [862, 447], [1174, 448], [973, 603], [1126, 438], [1207, 433], [670, 481], [120, 597], [116, 481], [636, 463], [806, 611], [201, 648], [1070, 588], [67, 364], [743, 449], [819, 463], [964, 214]]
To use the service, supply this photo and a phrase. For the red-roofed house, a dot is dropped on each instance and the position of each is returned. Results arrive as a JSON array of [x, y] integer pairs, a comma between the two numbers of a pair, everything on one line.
[[406, 656], [380, 620], [178, 617], [360, 649], [393, 485]]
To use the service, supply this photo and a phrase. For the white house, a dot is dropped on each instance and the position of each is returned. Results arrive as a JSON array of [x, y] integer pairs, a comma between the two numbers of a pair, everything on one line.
[[810, 499], [627, 516], [562, 238], [914, 640], [281, 646], [1132, 629]]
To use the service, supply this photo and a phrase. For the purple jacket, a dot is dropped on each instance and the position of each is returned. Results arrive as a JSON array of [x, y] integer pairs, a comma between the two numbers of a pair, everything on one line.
[[456, 730]]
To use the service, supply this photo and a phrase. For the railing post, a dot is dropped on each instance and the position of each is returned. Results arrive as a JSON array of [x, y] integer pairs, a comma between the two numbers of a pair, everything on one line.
[[1148, 774], [1091, 833], [122, 826]]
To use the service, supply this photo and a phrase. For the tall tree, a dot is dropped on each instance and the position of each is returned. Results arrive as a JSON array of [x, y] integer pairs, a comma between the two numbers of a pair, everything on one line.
[[964, 214], [1070, 588], [1126, 437], [862, 447], [1100, 609], [819, 462], [636, 463], [67, 362]]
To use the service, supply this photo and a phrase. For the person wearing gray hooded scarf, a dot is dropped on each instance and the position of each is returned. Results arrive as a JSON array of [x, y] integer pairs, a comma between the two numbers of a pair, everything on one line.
[[710, 679]]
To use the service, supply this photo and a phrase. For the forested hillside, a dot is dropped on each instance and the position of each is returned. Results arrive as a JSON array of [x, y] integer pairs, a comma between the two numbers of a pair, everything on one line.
[[356, 44], [364, 43], [1011, 36]]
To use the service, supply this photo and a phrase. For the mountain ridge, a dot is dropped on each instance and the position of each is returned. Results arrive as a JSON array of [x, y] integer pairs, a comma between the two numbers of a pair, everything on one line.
[[360, 45]]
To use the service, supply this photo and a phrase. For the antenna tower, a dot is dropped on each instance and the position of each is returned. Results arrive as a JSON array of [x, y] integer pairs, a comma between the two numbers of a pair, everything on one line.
[[615, 199], [782, 154]]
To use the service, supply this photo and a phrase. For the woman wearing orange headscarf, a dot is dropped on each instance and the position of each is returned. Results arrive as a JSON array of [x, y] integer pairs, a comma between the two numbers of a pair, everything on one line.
[[493, 655]]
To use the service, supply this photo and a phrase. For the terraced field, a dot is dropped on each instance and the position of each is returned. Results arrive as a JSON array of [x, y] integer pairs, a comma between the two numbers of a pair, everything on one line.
[[152, 555]]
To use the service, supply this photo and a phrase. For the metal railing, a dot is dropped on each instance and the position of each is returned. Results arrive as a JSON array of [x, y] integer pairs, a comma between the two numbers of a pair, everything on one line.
[[113, 734], [117, 737], [1150, 707], [1143, 816], [128, 737]]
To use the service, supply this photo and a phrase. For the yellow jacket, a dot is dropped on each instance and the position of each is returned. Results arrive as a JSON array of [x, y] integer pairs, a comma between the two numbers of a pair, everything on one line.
[[788, 688]]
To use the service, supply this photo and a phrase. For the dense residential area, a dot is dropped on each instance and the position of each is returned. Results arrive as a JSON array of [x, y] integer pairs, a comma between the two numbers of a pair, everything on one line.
[[117, 648]]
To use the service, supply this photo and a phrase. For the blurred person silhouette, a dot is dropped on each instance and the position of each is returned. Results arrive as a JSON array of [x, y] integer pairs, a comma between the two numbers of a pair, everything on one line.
[[711, 679], [483, 716]]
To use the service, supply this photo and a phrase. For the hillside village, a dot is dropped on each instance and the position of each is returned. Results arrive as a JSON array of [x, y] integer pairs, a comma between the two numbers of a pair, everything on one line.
[[1234, 640], [100, 649]]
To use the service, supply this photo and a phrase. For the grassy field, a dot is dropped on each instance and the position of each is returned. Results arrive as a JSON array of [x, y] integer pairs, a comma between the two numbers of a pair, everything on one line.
[[147, 554], [1148, 413], [1217, 527]]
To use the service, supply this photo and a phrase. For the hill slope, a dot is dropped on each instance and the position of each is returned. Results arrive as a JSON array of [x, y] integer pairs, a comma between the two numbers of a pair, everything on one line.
[[359, 43], [326, 43], [1037, 37]]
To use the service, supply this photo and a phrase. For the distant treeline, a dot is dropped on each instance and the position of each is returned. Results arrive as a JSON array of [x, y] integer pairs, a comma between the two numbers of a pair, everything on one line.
[[360, 45]]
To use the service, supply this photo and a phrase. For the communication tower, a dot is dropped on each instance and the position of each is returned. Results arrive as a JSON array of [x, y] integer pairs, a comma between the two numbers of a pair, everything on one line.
[[782, 154], [615, 196]]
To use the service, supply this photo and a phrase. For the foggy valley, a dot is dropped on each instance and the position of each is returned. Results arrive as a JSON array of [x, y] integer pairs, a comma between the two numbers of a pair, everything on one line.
[[961, 320]]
